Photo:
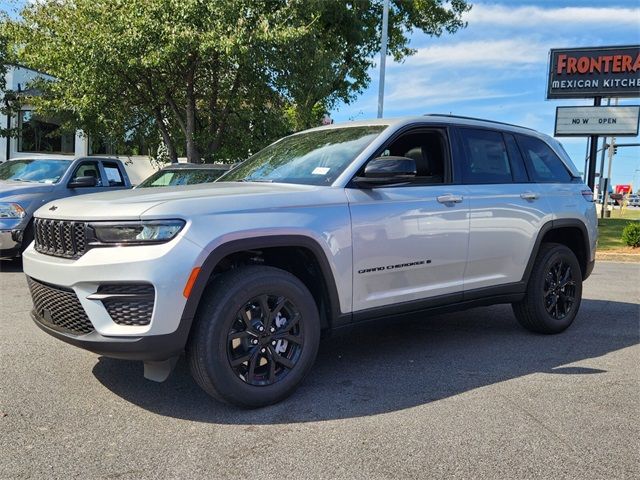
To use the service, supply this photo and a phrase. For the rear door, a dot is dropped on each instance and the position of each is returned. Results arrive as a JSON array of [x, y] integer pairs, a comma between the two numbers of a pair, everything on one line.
[[552, 177], [506, 210], [410, 241]]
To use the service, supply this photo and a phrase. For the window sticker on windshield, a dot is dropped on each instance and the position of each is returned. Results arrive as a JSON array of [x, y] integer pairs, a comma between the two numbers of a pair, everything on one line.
[[320, 171]]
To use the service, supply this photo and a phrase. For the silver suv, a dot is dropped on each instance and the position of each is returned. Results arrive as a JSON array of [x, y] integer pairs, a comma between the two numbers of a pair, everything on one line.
[[321, 230]]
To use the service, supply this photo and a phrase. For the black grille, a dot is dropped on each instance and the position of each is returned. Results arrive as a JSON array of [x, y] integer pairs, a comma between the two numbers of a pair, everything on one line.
[[131, 304], [60, 238], [59, 308]]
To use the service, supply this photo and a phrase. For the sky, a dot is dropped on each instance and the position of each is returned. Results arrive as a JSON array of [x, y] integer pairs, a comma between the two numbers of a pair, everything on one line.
[[469, 73]]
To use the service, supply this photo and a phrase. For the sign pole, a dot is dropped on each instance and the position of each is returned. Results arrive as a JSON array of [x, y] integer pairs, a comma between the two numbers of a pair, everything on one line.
[[593, 152], [602, 157]]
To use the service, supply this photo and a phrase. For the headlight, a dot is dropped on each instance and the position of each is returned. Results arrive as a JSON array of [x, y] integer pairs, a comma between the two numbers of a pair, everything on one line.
[[11, 210], [151, 231]]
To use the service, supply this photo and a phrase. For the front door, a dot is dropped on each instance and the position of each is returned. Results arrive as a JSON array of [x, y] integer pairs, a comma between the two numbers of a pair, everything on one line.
[[89, 168], [410, 241]]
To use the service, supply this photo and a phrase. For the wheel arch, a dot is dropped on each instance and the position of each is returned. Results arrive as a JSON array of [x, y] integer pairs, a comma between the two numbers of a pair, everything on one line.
[[330, 312], [572, 233]]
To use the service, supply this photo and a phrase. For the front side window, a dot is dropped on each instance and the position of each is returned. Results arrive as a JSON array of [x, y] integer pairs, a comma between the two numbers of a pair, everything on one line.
[[42, 135], [89, 169], [312, 158], [543, 164], [40, 171], [486, 159], [427, 148]]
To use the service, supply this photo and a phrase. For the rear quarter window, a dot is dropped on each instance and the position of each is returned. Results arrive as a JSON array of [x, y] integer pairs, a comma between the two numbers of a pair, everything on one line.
[[114, 176], [543, 164]]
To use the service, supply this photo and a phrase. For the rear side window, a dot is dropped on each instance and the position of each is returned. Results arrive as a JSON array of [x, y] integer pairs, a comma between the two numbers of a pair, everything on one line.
[[485, 157], [543, 164], [114, 177]]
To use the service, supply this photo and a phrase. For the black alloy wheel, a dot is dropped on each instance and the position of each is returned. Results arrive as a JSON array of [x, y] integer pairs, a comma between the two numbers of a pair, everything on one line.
[[265, 342], [255, 336], [559, 290], [553, 293]]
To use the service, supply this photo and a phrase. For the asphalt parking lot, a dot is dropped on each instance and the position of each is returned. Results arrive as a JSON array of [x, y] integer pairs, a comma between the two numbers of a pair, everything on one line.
[[464, 395]]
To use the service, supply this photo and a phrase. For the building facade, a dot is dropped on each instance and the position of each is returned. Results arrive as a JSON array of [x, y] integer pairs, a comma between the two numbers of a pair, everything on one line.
[[39, 137]]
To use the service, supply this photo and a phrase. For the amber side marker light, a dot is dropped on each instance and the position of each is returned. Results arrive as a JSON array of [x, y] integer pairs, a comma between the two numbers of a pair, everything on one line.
[[191, 282]]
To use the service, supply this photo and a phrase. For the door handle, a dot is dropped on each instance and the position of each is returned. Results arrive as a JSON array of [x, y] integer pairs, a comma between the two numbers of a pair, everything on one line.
[[449, 198], [529, 196]]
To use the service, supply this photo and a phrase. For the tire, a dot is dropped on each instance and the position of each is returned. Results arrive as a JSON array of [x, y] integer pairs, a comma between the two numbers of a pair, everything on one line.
[[228, 321], [537, 312]]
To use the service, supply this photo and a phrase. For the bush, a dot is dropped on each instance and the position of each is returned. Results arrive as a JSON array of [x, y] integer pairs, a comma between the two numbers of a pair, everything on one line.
[[631, 234]]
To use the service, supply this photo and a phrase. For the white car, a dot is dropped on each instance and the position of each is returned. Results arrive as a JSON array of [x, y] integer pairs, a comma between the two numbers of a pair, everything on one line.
[[321, 230]]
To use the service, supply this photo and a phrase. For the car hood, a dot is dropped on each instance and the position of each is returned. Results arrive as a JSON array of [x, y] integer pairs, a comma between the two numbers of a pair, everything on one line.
[[178, 201], [13, 189]]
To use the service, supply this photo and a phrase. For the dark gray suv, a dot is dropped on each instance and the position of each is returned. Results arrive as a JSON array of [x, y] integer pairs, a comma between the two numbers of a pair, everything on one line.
[[28, 183]]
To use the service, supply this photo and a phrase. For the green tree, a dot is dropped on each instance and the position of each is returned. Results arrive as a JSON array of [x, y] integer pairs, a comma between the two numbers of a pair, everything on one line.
[[330, 62], [216, 79], [3, 61], [8, 99]]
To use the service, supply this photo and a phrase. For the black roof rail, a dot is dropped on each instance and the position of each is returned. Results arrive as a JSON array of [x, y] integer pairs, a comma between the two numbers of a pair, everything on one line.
[[474, 118]]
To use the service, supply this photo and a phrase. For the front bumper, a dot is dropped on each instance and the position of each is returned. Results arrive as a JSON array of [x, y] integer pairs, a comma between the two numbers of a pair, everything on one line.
[[149, 348], [8, 240], [11, 233], [165, 266]]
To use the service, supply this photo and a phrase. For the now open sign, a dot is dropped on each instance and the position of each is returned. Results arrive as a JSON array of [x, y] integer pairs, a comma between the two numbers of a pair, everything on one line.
[[617, 121]]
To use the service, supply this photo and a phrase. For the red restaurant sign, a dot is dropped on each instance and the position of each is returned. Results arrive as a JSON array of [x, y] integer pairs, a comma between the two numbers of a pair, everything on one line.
[[594, 72]]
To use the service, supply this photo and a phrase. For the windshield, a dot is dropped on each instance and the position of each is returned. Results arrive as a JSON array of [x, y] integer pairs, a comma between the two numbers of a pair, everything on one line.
[[313, 158], [40, 171], [165, 178]]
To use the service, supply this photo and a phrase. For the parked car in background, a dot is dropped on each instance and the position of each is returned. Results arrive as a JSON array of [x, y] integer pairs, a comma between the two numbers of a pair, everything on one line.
[[610, 200], [633, 200], [28, 183], [185, 174]]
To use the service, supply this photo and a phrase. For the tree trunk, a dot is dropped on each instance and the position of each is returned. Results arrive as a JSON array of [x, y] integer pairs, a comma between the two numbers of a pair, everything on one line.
[[221, 122], [166, 137], [193, 155]]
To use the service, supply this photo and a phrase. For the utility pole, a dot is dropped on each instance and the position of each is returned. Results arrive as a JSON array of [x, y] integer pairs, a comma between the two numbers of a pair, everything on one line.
[[383, 55], [585, 172], [605, 195]]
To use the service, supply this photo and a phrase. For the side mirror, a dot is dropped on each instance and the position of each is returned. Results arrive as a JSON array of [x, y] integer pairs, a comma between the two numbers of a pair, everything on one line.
[[387, 171], [80, 182]]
